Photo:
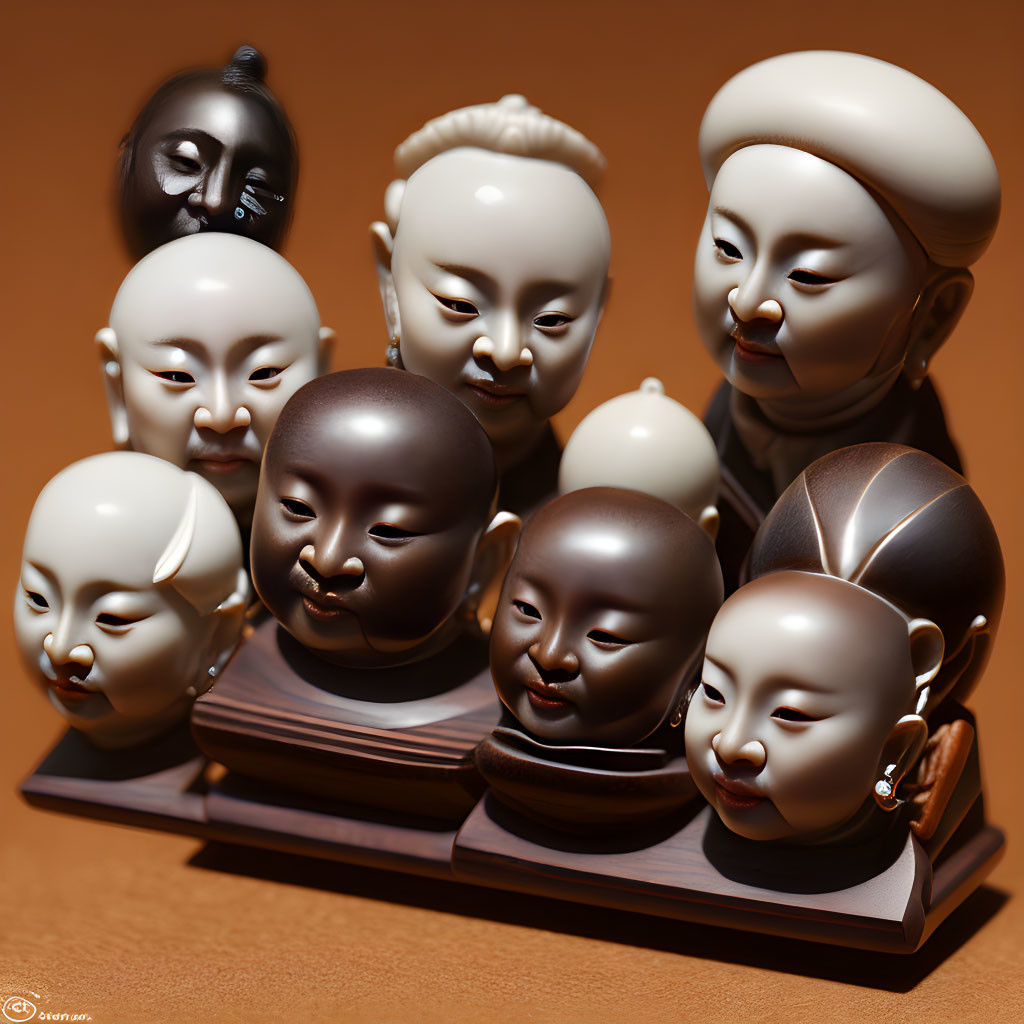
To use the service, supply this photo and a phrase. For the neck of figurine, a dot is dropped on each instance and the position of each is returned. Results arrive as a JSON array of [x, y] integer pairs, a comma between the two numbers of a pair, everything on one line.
[[511, 452], [385, 654]]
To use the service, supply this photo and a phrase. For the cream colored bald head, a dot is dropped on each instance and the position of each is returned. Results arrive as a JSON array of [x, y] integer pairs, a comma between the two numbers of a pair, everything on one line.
[[131, 594], [209, 336], [645, 441]]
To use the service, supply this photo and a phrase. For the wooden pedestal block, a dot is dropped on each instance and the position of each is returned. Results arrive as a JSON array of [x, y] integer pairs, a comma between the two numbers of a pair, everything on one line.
[[703, 874], [159, 786], [398, 740], [241, 810]]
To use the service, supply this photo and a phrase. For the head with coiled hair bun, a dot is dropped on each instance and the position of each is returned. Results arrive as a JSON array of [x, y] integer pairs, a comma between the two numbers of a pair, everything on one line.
[[212, 150], [900, 524], [495, 200]]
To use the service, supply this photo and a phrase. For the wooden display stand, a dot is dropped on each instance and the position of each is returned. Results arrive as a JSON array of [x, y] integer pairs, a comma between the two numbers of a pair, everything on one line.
[[889, 895]]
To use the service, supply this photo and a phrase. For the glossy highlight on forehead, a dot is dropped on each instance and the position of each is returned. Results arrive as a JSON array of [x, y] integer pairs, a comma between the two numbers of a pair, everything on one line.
[[437, 425], [625, 528]]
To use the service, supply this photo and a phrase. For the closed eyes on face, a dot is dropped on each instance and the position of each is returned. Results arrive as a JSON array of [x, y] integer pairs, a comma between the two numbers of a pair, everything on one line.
[[787, 714], [603, 638], [117, 625], [810, 279], [390, 532]]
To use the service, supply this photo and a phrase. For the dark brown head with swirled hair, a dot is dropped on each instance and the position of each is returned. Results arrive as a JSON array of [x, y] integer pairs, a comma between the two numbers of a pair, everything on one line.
[[902, 525]]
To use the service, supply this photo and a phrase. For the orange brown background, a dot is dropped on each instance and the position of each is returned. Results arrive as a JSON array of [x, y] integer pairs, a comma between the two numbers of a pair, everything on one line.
[[133, 926]]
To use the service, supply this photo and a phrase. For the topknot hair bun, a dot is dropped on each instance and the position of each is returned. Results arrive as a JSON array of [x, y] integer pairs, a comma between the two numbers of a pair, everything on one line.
[[247, 65]]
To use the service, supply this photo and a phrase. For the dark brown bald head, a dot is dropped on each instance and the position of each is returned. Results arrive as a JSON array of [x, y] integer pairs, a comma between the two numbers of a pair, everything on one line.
[[605, 608], [903, 525], [375, 489], [212, 150]]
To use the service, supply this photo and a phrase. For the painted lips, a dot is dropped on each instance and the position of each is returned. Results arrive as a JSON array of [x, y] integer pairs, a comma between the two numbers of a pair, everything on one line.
[[494, 394], [545, 698], [750, 352], [734, 795]]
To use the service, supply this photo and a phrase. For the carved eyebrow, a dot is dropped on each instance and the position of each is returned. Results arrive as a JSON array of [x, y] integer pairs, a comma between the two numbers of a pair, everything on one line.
[[244, 346], [798, 239], [475, 277], [190, 345], [192, 135]]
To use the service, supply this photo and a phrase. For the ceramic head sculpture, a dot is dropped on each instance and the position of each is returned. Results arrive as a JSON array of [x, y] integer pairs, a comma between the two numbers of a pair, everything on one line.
[[212, 150], [209, 336], [808, 701], [374, 540], [603, 616], [131, 594], [848, 198], [493, 264], [648, 442], [877, 587]]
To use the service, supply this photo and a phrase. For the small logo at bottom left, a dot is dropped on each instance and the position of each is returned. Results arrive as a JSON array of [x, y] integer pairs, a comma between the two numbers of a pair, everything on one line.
[[18, 1009]]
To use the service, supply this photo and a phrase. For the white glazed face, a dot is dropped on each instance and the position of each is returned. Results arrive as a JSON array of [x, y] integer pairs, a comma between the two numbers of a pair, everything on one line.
[[803, 288], [804, 679], [499, 268], [209, 353], [113, 652]]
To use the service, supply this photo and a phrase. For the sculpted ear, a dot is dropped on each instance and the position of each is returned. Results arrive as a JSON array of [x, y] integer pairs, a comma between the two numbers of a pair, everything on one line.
[[937, 312], [383, 243], [110, 366], [326, 346], [493, 556], [927, 648], [901, 752]]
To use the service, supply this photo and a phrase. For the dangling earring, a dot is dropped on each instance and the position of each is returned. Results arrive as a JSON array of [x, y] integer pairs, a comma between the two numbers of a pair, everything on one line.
[[677, 717], [885, 790], [392, 354]]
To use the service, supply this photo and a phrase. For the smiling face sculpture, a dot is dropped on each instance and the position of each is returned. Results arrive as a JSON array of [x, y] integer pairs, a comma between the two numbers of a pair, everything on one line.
[[603, 612], [209, 336], [493, 264], [373, 524], [131, 594], [847, 199], [210, 151]]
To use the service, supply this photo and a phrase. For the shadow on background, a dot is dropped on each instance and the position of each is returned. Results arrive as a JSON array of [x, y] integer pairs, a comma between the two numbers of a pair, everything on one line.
[[885, 971]]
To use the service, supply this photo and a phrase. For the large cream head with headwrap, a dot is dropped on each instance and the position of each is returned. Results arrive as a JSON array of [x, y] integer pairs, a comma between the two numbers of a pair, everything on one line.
[[847, 198], [493, 263], [131, 595]]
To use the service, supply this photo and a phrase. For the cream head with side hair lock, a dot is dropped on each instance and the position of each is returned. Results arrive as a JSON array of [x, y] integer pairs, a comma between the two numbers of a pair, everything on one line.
[[131, 596]]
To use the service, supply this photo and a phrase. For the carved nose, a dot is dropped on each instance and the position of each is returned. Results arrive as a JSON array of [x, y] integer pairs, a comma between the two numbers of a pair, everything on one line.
[[325, 560], [732, 747], [551, 653], [61, 652], [504, 349], [746, 306]]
